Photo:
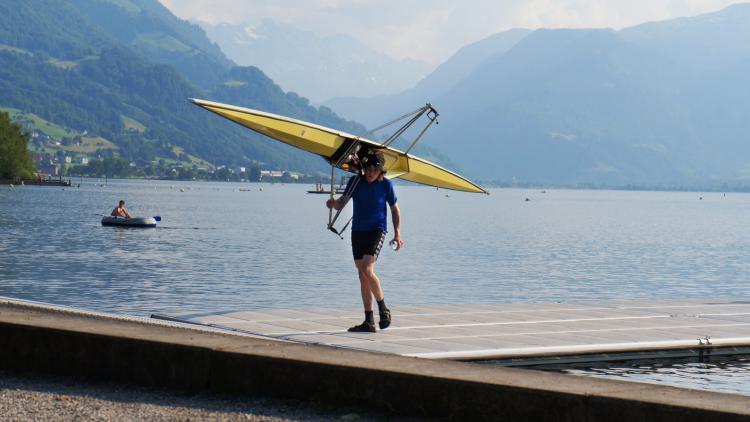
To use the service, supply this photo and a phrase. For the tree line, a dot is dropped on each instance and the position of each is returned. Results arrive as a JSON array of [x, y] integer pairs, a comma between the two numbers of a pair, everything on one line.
[[15, 158]]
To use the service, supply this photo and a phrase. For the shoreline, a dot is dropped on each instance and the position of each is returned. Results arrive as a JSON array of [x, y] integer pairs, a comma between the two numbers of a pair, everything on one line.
[[495, 185]]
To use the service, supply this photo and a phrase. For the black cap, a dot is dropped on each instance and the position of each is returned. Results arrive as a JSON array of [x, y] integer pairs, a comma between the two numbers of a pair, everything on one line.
[[374, 158]]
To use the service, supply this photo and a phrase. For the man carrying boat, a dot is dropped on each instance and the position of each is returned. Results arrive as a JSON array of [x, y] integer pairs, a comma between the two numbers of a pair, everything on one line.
[[120, 211], [371, 193]]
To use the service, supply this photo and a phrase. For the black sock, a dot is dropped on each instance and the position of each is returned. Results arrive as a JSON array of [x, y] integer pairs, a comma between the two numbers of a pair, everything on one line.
[[381, 306], [369, 317]]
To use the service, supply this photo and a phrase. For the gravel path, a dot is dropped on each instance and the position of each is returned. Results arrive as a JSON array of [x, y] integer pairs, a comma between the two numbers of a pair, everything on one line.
[[50, 399]]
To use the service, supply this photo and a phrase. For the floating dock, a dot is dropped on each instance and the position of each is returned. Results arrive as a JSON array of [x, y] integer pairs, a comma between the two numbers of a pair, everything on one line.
[[44, 181], [518, 331]]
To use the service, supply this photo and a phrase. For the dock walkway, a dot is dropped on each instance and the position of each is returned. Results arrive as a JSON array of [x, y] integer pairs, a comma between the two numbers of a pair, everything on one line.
[[507, 331]]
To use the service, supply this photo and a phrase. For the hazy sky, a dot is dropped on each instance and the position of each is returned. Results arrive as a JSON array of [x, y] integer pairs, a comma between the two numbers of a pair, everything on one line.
[[432, 30]]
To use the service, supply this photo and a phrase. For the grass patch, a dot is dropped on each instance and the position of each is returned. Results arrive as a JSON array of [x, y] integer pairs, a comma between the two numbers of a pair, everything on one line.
[[91, 144], [132, 124], [5, 47], [234, 84], [126, 5], [192, 159], [34, 122], [171, 161], [63, 64], [12, 112], [161, 41]]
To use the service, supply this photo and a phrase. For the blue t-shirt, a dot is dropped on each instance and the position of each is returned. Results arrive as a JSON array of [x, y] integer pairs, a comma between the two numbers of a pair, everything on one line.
[[370, 212]]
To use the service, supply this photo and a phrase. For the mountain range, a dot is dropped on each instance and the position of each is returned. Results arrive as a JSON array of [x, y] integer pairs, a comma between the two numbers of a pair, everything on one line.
[[317, 67], [371, 111], [658, 104]]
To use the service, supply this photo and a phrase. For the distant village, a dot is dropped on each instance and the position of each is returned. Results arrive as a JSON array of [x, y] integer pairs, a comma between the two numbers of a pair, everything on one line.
[[84, 156]]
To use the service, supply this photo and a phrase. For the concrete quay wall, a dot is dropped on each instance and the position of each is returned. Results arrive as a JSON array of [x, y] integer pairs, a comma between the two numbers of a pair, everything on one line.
[[35, 339]]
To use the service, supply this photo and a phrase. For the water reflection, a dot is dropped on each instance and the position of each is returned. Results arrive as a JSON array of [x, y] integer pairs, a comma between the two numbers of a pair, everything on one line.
[[727, 374]]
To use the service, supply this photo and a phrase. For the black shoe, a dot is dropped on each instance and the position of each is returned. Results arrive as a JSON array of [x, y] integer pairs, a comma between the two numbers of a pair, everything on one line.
[[385, 319], [365, 327]]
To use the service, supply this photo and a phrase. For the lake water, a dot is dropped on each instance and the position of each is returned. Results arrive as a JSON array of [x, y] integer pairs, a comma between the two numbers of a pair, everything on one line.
[[726, 374], [222, 248]]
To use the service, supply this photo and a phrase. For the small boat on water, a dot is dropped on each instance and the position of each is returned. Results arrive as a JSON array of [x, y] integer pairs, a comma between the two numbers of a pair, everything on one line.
[[129, 222], [320, 188], [339, 191]]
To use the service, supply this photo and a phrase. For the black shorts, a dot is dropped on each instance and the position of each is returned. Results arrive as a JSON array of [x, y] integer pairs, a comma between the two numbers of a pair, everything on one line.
[[367, 242]]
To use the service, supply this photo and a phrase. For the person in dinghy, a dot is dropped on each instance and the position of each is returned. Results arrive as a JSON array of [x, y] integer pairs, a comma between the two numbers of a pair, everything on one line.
[[120, 210], [369, 228]]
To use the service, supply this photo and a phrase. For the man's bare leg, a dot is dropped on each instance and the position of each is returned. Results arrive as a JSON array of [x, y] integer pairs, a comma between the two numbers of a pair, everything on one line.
[[366, 292], [370, 286], [373, 282], [364, 284]]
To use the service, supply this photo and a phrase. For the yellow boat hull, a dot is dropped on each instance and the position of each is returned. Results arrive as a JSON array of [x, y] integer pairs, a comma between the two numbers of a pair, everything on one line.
[[328, 143]]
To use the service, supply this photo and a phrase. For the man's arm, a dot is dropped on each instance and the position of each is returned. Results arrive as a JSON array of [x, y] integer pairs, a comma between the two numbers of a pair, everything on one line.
[[396, 217]]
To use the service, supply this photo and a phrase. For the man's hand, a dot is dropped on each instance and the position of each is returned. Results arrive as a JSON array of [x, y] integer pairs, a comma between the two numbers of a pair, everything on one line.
[[399, 242], [396, 216], [337, 204]]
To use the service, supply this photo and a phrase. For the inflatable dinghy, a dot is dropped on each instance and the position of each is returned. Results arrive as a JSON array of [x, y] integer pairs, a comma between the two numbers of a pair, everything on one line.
[[129, 222]]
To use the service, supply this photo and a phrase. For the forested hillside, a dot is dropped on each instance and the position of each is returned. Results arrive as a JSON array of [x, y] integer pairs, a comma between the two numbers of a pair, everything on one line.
[[99, 67], [153, 31]]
